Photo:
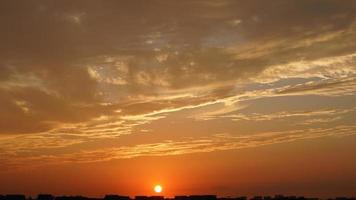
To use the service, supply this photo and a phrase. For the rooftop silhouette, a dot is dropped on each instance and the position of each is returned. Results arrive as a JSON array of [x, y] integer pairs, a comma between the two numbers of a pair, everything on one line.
[[188, 197]]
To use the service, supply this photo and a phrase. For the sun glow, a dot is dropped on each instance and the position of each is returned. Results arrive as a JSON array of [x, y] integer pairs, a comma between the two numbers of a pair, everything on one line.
[[158, 188]]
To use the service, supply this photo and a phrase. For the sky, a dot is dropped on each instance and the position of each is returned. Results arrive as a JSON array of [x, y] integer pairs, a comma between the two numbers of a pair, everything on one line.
[[218, 97]]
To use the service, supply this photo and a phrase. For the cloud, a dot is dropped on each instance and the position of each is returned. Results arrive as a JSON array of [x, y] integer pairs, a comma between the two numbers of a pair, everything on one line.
[[76, 72], [218, 142], [335, 113], [328, 88], [333, 67]]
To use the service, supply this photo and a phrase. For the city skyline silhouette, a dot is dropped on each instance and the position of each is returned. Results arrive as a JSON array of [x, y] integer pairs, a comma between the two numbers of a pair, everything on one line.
[[172, 99]]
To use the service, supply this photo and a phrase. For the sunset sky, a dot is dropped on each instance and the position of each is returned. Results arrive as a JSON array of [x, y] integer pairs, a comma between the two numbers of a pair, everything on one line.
[[203, 97]]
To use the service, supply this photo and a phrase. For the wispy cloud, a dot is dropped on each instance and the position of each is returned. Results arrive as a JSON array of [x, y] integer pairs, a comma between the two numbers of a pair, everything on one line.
[[218, 142], [336, 113]]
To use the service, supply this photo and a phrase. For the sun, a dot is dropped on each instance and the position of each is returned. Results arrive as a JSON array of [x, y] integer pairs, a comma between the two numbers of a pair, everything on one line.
[[158, 188]]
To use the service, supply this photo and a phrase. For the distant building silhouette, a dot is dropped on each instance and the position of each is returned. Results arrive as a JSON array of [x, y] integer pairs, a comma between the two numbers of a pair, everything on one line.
[[45, 197], [233, 198], [149, 198], [341, 198], [191, 197], [15, 197], [71, 198], [141, 197], [202, 197], [257, 198], [116, 197], [181, 198]]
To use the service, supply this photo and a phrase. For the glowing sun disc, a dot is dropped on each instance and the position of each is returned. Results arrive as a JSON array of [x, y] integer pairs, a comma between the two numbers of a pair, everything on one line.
[[158, 188]]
